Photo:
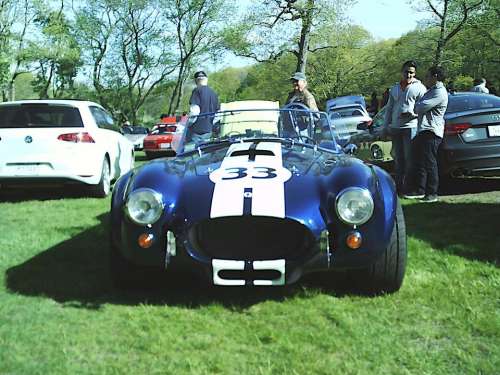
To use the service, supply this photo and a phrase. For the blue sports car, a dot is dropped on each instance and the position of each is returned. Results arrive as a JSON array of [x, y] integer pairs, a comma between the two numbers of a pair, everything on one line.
[[269, 197]]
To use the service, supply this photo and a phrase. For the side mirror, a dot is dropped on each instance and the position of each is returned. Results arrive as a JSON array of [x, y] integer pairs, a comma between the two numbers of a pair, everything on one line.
[[350, 149], [362, 126], [365, 125]]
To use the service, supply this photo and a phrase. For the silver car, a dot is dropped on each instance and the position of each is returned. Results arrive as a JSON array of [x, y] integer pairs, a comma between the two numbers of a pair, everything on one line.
[[346, 119], [136, 135]]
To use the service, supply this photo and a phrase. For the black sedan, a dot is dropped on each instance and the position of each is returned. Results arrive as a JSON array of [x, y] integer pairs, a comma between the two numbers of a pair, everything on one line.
[[471, 144]]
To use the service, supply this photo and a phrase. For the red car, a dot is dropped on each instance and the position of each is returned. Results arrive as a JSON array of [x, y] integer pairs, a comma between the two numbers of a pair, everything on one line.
[[164, 140]]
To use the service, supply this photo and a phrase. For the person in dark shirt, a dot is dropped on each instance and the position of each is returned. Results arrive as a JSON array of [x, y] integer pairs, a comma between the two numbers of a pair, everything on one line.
[[374, 104], [203, 100]]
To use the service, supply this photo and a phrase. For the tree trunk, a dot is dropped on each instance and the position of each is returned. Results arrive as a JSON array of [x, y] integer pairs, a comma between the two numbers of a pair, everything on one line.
[[304, 36], [176, 93]]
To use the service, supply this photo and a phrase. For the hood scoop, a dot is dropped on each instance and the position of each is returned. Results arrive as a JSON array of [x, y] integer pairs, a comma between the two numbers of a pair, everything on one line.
[[252, 152]]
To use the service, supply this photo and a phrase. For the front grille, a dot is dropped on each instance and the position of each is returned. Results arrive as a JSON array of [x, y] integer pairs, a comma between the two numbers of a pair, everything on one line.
[[251, 238]]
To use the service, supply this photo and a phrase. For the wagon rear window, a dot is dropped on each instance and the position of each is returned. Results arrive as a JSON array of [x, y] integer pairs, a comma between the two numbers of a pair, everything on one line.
[[39, 116]]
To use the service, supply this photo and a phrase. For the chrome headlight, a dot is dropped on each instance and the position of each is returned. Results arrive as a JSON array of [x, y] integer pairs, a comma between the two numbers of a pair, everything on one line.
[[144, 206], [354, 206]]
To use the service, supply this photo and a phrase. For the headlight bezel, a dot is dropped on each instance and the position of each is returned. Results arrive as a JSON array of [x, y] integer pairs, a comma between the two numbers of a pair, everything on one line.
[[157, 198], [365, 194]]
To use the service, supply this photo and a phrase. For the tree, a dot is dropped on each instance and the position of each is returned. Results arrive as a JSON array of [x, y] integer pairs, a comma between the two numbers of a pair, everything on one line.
[[197, 25], [129, 49], [16, 23], [57, 54], [450, 16], [275, 27]]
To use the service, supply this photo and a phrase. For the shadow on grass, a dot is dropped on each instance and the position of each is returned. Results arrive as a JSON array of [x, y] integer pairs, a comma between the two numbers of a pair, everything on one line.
[[141, 157], [75, 273], [42, 194], [469, 186], [469, 230]]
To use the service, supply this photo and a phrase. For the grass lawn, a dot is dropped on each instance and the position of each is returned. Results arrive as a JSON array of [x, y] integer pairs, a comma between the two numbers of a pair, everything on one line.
[[59, 313]]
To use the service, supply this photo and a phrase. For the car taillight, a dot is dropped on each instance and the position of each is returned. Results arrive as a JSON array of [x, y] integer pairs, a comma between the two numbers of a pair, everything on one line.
[[452, 129], [76, 137]]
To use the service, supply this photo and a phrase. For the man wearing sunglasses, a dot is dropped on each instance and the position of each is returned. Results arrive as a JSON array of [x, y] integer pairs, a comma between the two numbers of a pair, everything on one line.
[[401, 120]]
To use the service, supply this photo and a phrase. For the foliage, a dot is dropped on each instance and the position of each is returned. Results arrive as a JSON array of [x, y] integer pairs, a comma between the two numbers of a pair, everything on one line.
[[56, 54], [272, 28], [136, 57], [198, 28], [449, 17]]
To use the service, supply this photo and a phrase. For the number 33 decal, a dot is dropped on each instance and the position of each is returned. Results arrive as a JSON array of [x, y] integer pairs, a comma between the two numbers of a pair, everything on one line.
[[255, 172]]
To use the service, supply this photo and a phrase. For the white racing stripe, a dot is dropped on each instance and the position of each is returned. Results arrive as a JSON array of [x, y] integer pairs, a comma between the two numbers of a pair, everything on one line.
[[261, 181]]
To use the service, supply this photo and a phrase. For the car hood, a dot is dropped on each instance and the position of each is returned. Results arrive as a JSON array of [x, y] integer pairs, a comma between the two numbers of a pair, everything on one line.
[[252, 178]]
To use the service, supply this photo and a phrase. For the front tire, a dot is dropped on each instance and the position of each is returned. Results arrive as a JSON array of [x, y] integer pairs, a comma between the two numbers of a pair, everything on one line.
[[387, 273]]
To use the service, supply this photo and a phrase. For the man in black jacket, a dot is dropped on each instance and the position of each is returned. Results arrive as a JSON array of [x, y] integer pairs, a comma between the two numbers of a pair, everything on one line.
[[203, 100]]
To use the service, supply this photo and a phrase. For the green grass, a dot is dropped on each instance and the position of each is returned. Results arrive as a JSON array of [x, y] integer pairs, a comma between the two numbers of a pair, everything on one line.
[[59, 313]]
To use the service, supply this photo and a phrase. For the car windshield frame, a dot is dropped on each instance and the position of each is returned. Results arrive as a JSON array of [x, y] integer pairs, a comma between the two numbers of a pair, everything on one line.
[[297, 126]]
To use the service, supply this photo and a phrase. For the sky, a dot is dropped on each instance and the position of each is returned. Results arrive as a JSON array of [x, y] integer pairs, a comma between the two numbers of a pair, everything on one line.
[[385, 19]]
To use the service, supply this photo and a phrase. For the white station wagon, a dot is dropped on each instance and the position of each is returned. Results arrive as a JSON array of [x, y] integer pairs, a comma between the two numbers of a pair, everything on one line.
[[61, 142]]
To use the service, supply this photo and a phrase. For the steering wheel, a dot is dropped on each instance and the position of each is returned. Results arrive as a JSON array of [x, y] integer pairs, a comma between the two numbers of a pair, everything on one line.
[[296, 118]]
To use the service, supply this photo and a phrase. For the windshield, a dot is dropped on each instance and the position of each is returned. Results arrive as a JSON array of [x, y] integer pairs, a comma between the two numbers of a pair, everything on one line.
[[302, 126], [348, 111], [137, 130], [459, 103]]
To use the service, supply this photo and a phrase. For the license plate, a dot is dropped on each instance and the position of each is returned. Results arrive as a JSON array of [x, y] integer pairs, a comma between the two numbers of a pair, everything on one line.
[[164, 145], [494, 131], [27, 169]]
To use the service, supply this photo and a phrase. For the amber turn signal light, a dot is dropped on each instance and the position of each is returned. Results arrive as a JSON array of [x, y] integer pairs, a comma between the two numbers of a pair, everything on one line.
[[354, 240], [145, 240]]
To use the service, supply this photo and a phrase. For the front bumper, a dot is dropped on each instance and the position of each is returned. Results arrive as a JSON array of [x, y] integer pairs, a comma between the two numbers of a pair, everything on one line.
[[323, 253], [470, 160]]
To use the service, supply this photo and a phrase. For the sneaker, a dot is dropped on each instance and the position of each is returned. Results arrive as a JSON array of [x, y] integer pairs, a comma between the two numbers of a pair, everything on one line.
[[430, 198], [413, 195]]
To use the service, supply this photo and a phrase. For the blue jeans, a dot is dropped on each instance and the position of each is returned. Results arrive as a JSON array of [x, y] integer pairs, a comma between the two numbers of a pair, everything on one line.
[[401, 142]]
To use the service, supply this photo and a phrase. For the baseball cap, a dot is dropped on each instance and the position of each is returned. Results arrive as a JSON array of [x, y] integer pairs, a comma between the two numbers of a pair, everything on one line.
[[200, 74], [299, 76]]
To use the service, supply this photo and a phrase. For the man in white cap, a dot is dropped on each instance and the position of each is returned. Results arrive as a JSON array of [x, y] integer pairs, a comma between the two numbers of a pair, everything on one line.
[[203, 100], [300, 93]]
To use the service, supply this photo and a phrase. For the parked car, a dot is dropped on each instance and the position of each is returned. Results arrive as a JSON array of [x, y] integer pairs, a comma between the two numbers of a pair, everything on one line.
[[268, 199], [164, 140], [331, 104], [61, 142], [346, 118], [372, 144], [136, 135], [471, 143]]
